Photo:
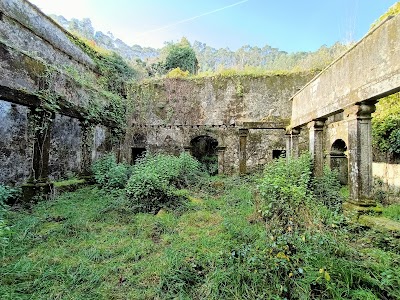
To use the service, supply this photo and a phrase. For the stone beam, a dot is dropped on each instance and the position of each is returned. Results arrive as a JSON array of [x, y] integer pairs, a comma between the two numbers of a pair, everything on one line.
[[368, 71]]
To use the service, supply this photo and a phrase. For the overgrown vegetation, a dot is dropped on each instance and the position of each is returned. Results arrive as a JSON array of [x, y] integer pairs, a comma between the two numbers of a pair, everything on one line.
[[109, 174], [230, 242], [392, 11], [156, 180], [386, 125]]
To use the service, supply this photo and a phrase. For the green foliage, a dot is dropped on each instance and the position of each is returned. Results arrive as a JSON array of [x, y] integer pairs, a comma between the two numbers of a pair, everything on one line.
[[285, 189], [392, 11], [109, 174], [155, 180], [115, 72], [386, 125], [392, 212], [177, 73], [327, 189], [181, 56], [6, 193], [90, 245]]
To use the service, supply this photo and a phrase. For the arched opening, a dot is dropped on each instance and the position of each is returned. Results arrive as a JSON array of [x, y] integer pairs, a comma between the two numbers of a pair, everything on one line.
[[139, 147], [204, 149], [339, 161]]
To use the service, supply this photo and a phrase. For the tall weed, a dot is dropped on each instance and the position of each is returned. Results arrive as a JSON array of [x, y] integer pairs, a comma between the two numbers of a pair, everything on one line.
[[156, 179], [109, 174]]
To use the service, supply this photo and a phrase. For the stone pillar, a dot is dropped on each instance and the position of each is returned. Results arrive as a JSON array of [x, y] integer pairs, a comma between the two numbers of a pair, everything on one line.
[[40, 123], [360, 155], [243, 133], [221, 159], [87, 131], [317, 146], [116, 137], [292, 143]]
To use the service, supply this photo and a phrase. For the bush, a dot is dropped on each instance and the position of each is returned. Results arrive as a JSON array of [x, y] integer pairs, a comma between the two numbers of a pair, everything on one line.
[[284, 189], [155, 180], [327, 189], [6, 193], [109, 174]]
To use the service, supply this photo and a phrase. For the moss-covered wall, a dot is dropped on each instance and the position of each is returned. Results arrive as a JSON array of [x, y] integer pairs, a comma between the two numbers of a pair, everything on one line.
[[171, 112]]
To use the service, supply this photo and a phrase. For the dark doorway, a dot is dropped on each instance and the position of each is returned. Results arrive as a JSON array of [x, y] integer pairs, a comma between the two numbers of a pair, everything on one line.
[[278, 154], [204, 149], [137, 153], [339, 161]]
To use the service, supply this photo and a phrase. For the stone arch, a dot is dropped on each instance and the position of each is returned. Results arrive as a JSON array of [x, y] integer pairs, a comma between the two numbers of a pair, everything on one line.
[[339, 160], [204, 149], [138, 148]]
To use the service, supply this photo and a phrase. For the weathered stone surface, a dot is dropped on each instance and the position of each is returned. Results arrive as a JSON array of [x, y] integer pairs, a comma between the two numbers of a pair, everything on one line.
[[368, 71], [171, 112], [15, 152], [65, 153], [23, 26]]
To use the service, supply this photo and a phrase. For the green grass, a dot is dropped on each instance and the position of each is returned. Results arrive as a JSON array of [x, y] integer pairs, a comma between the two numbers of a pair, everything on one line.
[[89, 244], [392, 212], [68, 182]]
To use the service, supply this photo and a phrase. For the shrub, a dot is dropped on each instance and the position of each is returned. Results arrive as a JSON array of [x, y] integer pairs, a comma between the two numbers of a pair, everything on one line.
[[284, 189], [155, 180], [6, 193], [109, 174], [177, 73], [327, 189]]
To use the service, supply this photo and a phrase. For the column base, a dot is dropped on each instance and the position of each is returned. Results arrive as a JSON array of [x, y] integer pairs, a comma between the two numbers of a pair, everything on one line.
[[354, 210], [31, 192]]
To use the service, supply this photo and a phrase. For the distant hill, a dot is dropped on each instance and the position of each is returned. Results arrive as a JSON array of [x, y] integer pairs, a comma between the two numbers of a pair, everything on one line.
[[251, 58], [84, 28]]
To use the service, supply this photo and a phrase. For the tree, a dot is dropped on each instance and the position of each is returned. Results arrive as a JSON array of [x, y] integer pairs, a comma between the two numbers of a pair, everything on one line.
[[181, 55]]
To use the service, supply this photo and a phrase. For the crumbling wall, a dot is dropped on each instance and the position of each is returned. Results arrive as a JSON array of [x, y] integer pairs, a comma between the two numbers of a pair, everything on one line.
[[171, 112]]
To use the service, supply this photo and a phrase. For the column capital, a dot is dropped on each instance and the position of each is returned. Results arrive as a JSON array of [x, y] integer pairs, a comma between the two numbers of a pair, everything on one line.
[[319, 123], [243, 132], [365, 110]]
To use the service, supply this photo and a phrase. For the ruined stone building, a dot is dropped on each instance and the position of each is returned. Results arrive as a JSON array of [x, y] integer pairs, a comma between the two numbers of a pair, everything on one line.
[[240, 121]]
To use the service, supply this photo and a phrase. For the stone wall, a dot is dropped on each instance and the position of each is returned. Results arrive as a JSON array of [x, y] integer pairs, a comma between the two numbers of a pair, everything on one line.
[[15, 150], [368, 71], [47, 80], [169, 113]]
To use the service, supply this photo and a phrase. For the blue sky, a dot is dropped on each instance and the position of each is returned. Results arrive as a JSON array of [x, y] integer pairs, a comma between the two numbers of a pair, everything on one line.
[[290, 25]]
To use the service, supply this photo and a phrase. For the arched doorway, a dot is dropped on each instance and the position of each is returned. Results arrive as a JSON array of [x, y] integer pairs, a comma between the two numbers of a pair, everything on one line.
[[339, 161], [139, 147], [204, 149]]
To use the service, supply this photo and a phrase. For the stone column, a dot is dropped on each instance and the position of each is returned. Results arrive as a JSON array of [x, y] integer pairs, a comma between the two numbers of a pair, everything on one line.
[[40, 123], [360, 155], [87, 130], [243, 133], [317, 146], [221, 159], [116, 137], [292, 143]]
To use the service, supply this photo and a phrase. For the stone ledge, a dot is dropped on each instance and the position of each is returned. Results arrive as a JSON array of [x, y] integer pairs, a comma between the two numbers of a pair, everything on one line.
[[379, 223]]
